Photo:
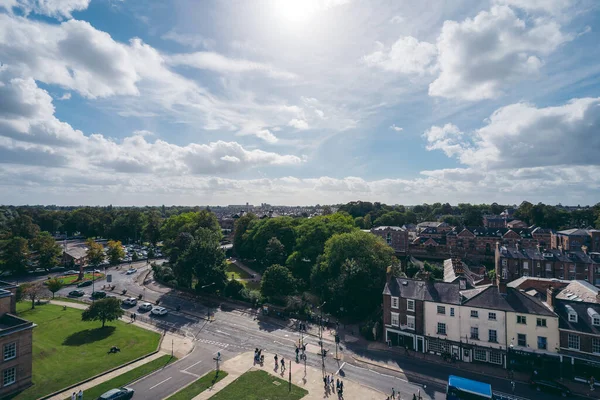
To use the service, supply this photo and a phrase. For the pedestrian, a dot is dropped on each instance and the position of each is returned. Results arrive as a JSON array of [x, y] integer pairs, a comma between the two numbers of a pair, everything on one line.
[[134, 317], [80, 395], [342, 386], [414, 396], [276, 365], [282, 364], [74, 396], [592, 383], [332, 383], [325, 382], [337, 384], [512, 385], [393, 393]]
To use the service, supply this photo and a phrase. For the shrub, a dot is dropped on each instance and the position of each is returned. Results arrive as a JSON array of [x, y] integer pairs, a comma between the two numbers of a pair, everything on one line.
[[233, 289]]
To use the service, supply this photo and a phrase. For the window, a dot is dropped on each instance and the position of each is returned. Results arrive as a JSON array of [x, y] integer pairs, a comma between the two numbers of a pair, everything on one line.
[[521, 340], [542, 343], [388, 238], [395, 319], [504, 262], [480, 355], [410, 305], [573, 341], [548, 267], [572, 317], [595, 345], [504, 273], [9, 376], [495, 357], [438, 346], [493, 336], [410, 322], [441, 328], [10, 351], [474, 332], [441, 310], [474, 314], [521, 319], [525, 265], [452, 311], [596, 320], [492, 316], [394, 302], [541, 322]]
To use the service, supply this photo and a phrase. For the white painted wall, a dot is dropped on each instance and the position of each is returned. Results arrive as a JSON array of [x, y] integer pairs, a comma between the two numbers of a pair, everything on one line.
[[484, 324], [432, 318], [533, 331]]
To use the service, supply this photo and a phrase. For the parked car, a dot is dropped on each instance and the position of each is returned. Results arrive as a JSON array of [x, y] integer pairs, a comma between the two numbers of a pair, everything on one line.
[[130, 301], [145, 307], [548, 386], [123, 393], [131, 271], [71, 272], [85, 283], [76, 293], [98, 295], [159, 311], [57, 269]]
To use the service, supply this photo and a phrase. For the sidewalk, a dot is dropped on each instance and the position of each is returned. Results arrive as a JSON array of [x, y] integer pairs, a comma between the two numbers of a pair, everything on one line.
[[312, 381]]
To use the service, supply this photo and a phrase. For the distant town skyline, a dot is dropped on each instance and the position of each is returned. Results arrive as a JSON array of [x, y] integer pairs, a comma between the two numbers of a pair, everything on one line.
[[299, 102]]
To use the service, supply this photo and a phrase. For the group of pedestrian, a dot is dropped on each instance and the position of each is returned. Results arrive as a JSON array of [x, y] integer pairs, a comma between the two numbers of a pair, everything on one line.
[[77, 396], [258, 356], [302, 326], [133, 317], [335, 385]]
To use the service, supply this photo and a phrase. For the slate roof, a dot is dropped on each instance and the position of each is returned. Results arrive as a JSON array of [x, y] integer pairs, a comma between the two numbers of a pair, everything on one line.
[[77, 252], [450, 276], [482, 231], [584, 320], [438, 292], [574, 232], [579, 291], [513, 301]]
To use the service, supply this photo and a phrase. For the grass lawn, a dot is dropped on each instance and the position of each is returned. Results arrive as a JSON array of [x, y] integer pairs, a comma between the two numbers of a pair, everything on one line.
[[72, 279], [69, 300], [237, 272], [67, 350], [259, 385], [198, 386], [127, 377], [251, 285]]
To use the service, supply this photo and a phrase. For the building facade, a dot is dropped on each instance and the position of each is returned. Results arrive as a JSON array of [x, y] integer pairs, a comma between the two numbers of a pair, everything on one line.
[[577, 239], [395, 236]]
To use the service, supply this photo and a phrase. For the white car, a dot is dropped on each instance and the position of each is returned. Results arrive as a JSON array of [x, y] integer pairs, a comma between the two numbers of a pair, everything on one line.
[[145, 307], [131, 271], [159, 311], [131, 301]]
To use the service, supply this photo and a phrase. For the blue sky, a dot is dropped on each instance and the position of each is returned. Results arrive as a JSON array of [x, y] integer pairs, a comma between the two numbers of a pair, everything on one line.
[[299, 102]]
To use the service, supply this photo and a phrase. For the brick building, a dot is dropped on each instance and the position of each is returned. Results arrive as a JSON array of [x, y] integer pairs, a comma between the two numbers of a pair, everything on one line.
[[394, 236], [15, 344], [576, 239]]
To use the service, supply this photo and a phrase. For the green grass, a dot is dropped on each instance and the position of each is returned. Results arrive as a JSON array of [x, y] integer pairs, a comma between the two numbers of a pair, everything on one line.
[[67, 350], [259, 385], [251, 285], [72, 279], [70, 300], [199, 386], [127, 377], [237, 272]]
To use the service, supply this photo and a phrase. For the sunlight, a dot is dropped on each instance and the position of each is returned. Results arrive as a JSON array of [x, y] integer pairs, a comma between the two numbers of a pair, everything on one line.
[[296, 11]]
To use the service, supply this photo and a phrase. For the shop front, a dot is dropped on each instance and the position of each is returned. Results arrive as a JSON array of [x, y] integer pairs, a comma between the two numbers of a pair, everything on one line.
[[544, 363], [397, 338]]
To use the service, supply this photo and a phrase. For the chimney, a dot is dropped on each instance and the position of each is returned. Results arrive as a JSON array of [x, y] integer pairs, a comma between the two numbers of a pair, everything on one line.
[[518, 246], [501, 286], [560, 249], [388, 274], [550, 297], [539, 248]]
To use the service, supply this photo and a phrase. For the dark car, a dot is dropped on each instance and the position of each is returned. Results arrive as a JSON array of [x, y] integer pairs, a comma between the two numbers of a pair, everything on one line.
[[117, 394], [85, 283], [548, 386], [98, 295], [76, 293]]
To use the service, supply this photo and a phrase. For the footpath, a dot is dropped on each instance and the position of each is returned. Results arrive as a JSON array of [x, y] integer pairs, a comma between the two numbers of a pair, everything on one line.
[[311, 380], [181, 346]]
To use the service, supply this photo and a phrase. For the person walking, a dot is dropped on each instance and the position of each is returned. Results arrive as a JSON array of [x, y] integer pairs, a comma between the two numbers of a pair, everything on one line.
[[74, 396], [80, 395], [512, 386], [276, 364], [393, 393], [282, 364]]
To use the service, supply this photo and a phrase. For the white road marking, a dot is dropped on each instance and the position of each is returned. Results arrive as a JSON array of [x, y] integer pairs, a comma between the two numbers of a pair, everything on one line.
[[160, 383], [338, 371], [192, 365], [190, 373], [223, 333]]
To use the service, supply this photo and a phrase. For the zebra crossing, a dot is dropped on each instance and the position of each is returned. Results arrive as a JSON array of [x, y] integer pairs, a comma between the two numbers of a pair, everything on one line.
[[223, 345]]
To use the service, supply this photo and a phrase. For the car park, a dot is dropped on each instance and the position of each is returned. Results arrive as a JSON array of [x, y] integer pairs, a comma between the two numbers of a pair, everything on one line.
[[159, 311], [131, 271], [145, 307], [76, 293], [549, 386], [130, 301], [123, 393], [98, 295], [85, 283]]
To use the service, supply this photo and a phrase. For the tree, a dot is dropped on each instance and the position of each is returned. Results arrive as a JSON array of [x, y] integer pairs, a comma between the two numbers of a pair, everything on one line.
[[114, 252], [277, 281], [15, 255], [54, 285], [327, 210], [95, 255], [233, 288], [275, 252], [48, 251], [203, 259], [103, 310], [24, 227], [34, 291], [151, 228]]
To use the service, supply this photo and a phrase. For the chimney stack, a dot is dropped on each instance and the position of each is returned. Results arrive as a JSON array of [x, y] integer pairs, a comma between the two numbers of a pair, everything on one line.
[[550, 296], [501, 286]]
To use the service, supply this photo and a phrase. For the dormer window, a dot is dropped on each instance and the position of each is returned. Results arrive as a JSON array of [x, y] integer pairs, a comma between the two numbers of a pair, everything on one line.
[[572, 317], [596, 320]]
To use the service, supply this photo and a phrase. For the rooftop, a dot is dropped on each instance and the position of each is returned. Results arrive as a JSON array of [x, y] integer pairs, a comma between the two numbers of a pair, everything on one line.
[[383, 228], [439, 292], [580, 291], [574, 232], [10, 323], [513, 301]]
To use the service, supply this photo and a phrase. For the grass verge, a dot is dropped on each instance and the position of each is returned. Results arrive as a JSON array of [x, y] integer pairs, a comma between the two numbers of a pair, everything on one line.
[[67, 350], [259, 385], [72, 279], [127, 377], [199, 386], [237, 272]]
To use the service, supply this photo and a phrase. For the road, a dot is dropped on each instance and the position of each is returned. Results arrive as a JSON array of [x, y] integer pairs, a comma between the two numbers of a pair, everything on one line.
[[235, 331]]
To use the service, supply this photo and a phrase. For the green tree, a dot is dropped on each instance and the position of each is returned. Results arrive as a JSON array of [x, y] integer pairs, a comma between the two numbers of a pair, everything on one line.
[[203, 259], [15, 255], [34, 291], [115, 252], [151, 227], [95, 255], [241, 226], [393, 218], [233, 288], [54, 285], [23, 226], [188, 223], [351, 272], [48, 251], [262, 230], [277, 281], [105, 310], [275, 252]]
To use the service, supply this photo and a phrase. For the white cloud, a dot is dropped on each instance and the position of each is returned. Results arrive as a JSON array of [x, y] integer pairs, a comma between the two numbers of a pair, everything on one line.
[[52, 8], [266, 135], [397, 19], [396, 128], [479, 56], [219, 63], [548, 6], [65, 96], [407, 56], [523, 136], [299, 124], [188, 39]]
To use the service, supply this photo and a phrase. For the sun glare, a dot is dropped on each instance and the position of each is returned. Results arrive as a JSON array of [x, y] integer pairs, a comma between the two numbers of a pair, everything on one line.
[[296, 10]]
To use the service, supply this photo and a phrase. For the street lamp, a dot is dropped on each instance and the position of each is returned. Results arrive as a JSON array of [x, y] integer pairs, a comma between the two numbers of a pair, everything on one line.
[[207, 311], [321, 337]]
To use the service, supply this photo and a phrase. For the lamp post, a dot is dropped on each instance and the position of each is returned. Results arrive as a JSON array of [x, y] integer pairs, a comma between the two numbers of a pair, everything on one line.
[[321, 338], [207, 311]]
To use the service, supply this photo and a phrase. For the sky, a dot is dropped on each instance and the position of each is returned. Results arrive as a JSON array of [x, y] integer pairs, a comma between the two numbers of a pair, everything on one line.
[[187, 102]]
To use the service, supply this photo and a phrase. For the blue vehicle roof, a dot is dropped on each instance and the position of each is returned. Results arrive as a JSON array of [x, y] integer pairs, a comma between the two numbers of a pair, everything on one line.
[[471, 386]]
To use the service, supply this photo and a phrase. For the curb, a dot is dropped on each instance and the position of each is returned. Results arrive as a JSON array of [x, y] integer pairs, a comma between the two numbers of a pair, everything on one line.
[[423, 377]]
